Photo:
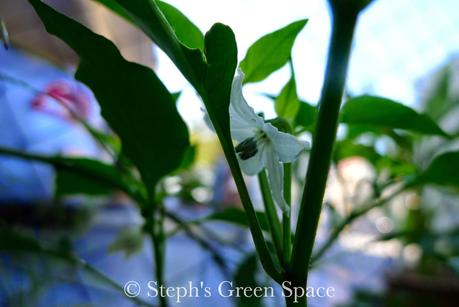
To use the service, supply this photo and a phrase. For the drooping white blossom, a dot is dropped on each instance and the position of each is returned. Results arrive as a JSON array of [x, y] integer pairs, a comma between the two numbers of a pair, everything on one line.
[[260, 144]]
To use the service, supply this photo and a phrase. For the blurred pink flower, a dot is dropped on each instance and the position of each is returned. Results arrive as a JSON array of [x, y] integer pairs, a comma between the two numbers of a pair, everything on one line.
[[63, 99]]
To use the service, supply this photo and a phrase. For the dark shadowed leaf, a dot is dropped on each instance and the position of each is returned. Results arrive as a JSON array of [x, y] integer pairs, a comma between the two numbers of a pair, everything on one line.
[[83, 171], [147, 16], [15, 241], [382, 112], [188, 159], [221, 54], [89, 177], [270, 52], [133, 100]]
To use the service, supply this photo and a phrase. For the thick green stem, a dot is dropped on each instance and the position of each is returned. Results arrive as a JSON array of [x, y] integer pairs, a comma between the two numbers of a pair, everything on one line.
[[344, 20], [271, 213], [295, 300]]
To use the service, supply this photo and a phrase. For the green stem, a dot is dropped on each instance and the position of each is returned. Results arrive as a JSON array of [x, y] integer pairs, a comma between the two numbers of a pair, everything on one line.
[[271, 213], [154, 217], [343, 24], [286, 222], [268, 263], [96, 273], [201, 241], [349, 219], [291, 301]]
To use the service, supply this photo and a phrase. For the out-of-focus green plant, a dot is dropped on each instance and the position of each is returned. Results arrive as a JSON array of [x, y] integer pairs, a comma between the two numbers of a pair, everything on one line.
[[154, 139]]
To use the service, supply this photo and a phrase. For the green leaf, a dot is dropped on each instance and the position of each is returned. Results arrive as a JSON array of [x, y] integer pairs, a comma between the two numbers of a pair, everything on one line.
[[238, 217], [133, 100], [270, 52], [176, 96], [187, 32], [305, 116], [345, 149], [83, 171], [188, 159], [443, 170], [382, 112], [439, 101], [287, 103]]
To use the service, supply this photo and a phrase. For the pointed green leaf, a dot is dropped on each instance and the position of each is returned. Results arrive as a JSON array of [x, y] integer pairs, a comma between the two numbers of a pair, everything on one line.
[[187, 32], [270, 52], [133, 100], [382, 112], [305, 116], [287, 103], [439, 101]]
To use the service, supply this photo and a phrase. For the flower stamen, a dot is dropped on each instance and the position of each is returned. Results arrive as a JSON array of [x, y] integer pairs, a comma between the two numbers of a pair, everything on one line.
[[247, 148]]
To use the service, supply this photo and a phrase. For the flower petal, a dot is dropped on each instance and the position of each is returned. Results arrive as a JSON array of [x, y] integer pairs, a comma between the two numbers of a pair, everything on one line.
[[240, 112], [255, 164], [241, 129], [286, 146], [276, 180]]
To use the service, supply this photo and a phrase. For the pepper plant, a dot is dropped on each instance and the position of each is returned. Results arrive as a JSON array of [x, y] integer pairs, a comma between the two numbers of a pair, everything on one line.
[[154, 140]]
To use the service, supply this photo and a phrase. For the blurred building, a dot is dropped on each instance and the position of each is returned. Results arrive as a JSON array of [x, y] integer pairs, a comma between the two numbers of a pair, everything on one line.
[[28, 33]]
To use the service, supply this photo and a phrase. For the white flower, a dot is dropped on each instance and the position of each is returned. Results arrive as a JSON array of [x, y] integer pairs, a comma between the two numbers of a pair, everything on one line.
[[261, 145]]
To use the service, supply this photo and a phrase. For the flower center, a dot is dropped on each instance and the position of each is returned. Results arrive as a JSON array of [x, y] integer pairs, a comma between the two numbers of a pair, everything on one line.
[[248, 148]]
